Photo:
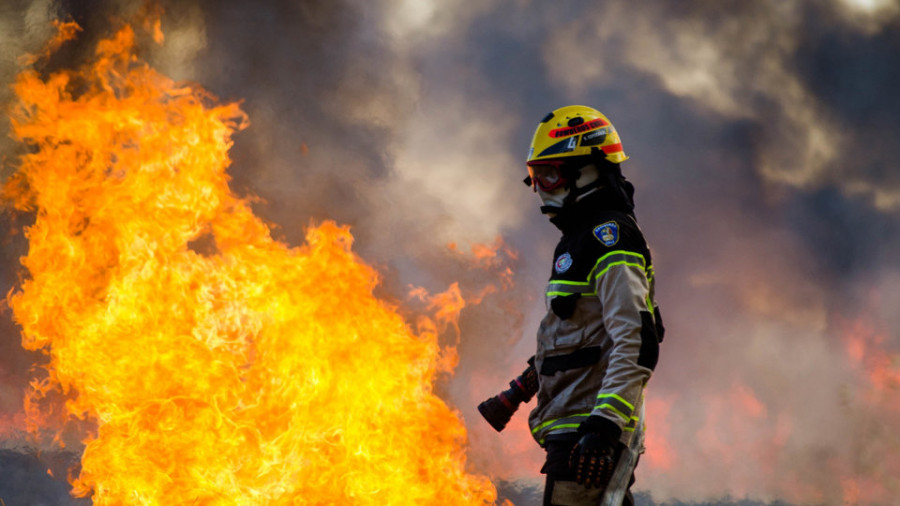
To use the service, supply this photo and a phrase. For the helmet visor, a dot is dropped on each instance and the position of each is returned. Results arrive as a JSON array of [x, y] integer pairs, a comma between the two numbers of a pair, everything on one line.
[[546, 174]]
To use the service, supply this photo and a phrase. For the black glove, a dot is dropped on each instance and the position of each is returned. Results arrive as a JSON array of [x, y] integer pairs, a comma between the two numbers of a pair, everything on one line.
[[594, 457]]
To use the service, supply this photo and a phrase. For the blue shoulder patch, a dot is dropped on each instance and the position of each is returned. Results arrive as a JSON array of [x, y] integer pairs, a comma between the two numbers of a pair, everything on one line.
[[607, 233], [563, 263]]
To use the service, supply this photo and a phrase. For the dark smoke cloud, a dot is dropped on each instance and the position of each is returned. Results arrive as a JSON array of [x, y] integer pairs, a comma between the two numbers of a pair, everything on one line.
[[24, 26], [27, 479], [762, 144]]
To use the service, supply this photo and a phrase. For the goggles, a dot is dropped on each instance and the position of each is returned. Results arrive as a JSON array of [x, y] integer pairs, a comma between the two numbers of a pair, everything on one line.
[[545, 174]]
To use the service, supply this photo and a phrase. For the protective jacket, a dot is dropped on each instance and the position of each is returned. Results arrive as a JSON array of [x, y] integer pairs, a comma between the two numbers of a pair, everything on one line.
[[599, 341]]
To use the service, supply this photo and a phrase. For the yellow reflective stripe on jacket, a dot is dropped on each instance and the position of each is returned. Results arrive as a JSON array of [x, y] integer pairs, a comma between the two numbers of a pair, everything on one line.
[[616, 404], [618, 257], [572, 422], [566, 422], [561, 287], [632, 425]]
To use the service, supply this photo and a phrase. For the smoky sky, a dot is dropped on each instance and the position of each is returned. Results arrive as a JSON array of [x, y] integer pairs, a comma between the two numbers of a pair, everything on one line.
[[761, 138]]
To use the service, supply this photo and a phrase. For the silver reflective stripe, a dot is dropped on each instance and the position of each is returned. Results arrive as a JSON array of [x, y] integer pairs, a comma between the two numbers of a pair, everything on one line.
[[559, 287], [616, 404], [618, 257], [567, 422]]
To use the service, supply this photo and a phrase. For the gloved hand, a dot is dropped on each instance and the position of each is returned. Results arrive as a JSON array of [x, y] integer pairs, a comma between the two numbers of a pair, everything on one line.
[[594, 457]]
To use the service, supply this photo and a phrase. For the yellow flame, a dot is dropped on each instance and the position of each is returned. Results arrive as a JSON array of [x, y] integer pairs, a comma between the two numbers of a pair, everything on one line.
[[220, 366]]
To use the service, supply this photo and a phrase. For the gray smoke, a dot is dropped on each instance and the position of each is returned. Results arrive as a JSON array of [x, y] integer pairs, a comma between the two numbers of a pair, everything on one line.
[[761, 138]]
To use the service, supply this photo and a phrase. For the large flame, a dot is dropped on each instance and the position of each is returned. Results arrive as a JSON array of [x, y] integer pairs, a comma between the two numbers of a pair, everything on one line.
[[218, 365]]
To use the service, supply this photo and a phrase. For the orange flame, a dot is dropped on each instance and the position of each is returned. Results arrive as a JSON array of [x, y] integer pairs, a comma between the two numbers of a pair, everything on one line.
[[865, 483], [220, 366], [493, 259], [865, 347]]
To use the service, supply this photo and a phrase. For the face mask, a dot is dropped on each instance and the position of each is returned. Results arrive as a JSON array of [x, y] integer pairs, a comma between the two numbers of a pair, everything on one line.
[[557, 196]]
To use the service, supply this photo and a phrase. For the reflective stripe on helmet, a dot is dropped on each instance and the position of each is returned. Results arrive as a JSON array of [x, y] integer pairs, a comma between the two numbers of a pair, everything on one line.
[[612, 148], [577, 129]]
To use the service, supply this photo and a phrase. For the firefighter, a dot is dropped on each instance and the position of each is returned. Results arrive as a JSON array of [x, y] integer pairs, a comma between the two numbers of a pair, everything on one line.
[[599, 341]]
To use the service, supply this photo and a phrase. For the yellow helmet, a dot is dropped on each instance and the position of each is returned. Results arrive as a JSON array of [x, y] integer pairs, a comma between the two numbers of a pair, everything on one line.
[[575, 130]]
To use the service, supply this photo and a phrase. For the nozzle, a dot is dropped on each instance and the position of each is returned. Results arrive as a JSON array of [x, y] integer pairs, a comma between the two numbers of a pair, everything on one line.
[[498, 410]]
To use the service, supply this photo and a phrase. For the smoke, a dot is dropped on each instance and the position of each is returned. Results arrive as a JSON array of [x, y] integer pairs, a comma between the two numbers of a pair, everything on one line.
[[740, 61], [761, 138], [24, 27], [28, 480]]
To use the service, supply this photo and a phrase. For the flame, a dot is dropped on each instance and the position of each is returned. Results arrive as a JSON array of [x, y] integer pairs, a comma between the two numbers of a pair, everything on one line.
[[872, 477], [218, 365], [493, 259], [865, 348]]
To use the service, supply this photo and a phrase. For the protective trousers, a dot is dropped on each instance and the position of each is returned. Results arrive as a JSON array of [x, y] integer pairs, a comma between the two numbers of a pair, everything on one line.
[[561, 489]]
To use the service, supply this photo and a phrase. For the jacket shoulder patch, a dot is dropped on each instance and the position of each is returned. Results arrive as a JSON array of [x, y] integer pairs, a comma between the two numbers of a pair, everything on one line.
[[607, 233], [563, 263]]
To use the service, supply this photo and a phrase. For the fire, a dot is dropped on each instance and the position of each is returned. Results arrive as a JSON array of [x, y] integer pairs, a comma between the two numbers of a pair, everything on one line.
[[872, 479], [865, 347], [218, 365]]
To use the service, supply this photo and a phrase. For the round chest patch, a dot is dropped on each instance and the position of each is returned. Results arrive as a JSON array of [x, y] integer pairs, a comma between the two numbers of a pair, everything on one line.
[[563, 263]]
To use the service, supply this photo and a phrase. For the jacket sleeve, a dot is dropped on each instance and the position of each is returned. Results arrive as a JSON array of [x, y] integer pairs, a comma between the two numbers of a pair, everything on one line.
[[624, 292]]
